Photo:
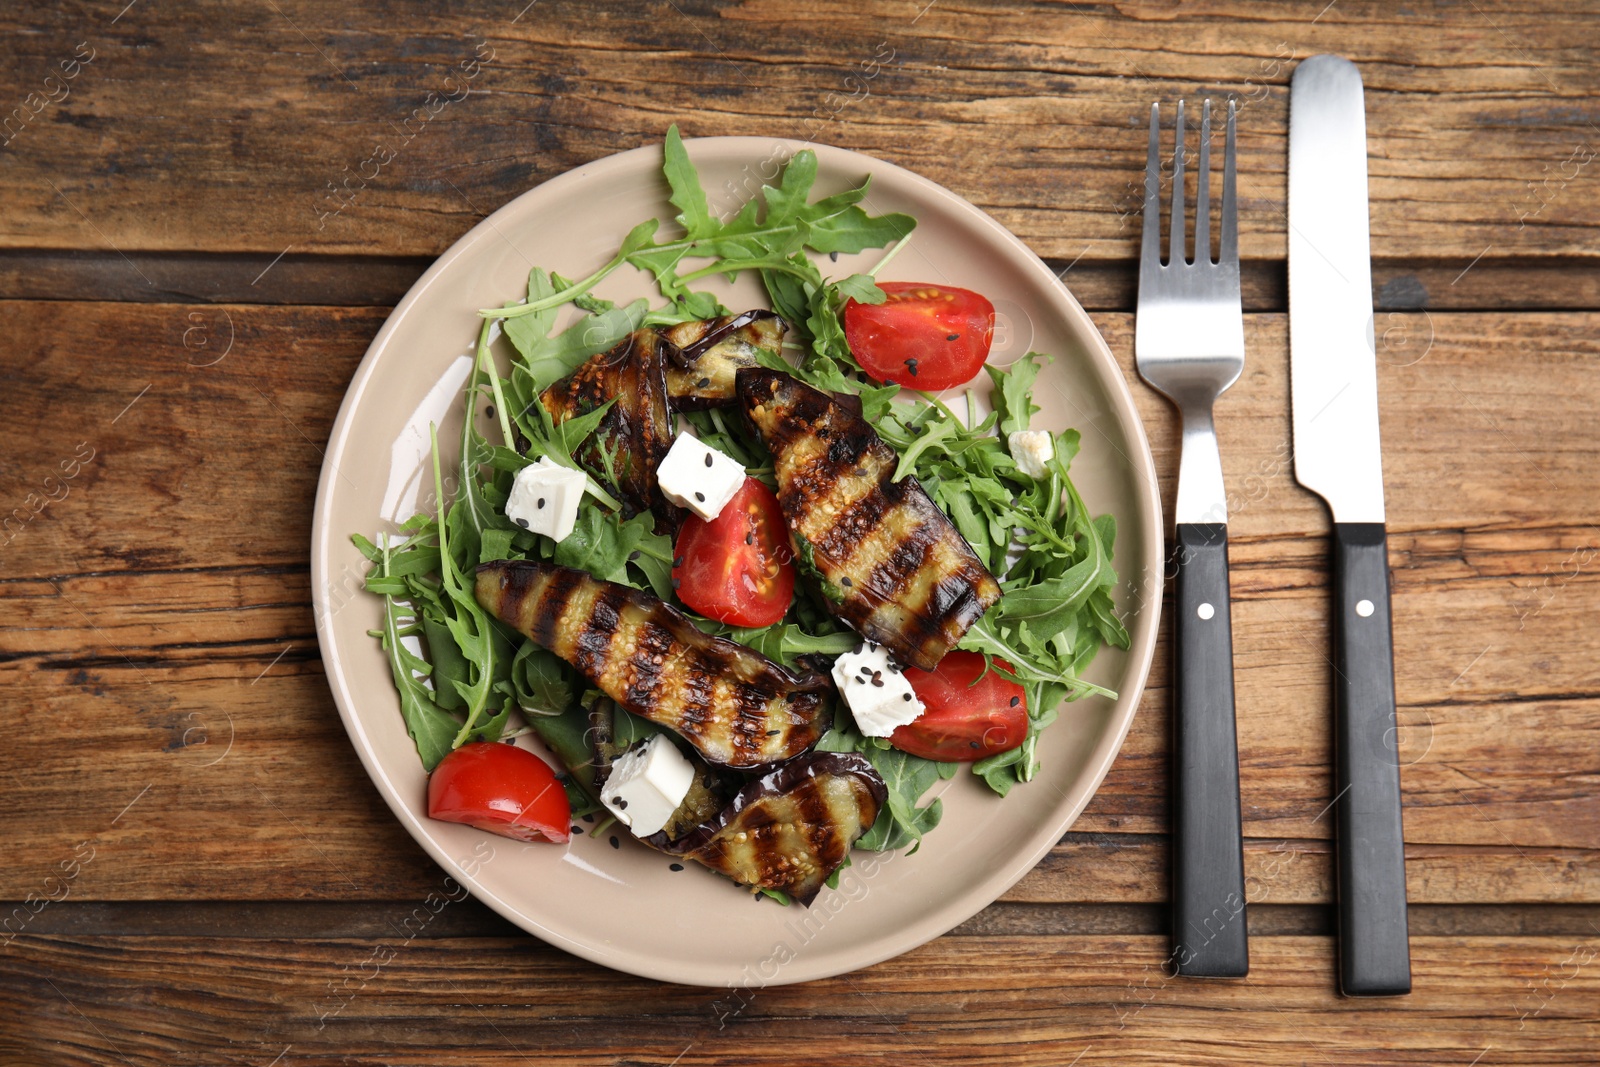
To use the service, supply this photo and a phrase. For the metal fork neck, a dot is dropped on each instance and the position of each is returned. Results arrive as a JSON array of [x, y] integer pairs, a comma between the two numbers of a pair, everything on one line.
[[1201, 496]]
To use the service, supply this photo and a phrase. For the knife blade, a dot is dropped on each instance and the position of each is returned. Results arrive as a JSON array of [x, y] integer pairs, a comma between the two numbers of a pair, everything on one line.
[[1334, 387]]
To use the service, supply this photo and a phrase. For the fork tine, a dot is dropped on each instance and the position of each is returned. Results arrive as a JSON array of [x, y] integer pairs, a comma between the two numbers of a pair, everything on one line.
[[1202, 195], [1150, 246], [1179, 226], [1228, 253]]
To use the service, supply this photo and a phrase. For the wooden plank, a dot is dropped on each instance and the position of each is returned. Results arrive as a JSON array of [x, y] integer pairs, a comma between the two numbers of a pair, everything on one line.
[[985, 1000], [142, 612], [361, 134]]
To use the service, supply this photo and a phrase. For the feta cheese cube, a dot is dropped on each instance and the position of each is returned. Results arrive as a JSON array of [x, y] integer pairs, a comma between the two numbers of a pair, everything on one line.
[[1032, 449], [646, 785], [877, 691], [698, 477], [545, 497]]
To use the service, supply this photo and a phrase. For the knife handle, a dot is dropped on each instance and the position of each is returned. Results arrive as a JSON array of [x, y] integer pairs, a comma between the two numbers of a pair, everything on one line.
[[1209, 935], [1374, 954]]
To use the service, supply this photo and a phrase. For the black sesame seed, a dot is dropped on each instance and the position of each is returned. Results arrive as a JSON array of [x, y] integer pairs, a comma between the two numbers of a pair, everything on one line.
[[541, 502], [589, 817], [953, 337], [974, 744], [633, 557], [833, 257], [701, 384], [577, 829], [1015, 701], [522, 523], [708, 459], [622, 804], [749, 538], [676, 582], [911, 365], [774, 733], [489, 411], [678, 562], [906, 697], [674, 866], [877, 681], [614, 842], [700, 497], [845, 581]]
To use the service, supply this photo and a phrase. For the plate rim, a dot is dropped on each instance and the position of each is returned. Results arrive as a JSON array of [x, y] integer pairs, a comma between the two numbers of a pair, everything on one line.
[[1099, 759]]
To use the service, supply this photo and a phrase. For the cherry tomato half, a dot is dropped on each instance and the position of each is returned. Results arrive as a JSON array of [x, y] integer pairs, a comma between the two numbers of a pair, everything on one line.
[[963, 721], [502, 789], [736, 568], [924, 336]]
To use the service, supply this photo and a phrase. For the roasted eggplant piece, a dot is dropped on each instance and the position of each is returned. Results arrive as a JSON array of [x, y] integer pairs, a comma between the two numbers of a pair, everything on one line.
[[896, 568], [628, 445], [735, 706], [790, 829], [703, 356]]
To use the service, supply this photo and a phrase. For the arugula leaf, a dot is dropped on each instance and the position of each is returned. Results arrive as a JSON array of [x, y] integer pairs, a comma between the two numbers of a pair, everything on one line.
[[687, 196], [901, 822], [429, 726], [467, 623]]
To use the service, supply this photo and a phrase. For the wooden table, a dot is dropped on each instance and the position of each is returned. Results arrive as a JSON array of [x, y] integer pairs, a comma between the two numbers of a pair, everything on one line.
[[198, 249]]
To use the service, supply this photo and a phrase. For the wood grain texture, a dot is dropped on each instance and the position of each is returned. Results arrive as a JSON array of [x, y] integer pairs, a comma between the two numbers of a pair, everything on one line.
[[308, 126], [993, 1000], [141, 610]]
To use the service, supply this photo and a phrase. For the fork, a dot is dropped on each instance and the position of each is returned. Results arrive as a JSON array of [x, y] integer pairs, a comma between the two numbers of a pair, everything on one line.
[[1189, 345]]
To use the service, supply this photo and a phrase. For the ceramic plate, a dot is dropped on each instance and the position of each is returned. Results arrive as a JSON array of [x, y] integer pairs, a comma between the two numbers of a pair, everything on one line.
[[623, 907]]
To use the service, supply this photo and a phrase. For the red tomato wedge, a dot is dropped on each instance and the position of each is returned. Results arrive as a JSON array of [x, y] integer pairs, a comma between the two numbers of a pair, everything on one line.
[[502, 789], [963, 721], [736, 568], [923, 336]]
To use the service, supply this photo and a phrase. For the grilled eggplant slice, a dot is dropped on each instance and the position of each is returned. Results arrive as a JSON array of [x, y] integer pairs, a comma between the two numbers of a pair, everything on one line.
[[628, 445], [703, 356], [897, 568], [735, 706], [791, 829]]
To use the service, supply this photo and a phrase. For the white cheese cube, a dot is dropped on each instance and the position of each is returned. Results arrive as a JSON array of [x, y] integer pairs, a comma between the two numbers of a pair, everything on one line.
[[877, 691], [545, 497], [698, 477], [1032, 449], [646, 785]]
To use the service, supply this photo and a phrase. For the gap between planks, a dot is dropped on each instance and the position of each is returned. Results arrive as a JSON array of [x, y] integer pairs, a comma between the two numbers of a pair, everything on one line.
[[1498, 284], [379, 919]]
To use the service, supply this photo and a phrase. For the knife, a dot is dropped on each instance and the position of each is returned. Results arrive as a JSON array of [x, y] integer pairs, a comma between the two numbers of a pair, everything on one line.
[[1334, 382]]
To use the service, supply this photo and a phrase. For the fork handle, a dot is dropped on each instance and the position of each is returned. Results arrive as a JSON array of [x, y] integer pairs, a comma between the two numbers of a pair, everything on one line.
[[1374, 955], [1209, 935]]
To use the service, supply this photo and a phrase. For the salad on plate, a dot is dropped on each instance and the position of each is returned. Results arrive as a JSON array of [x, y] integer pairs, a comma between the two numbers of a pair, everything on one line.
[[757, 579]]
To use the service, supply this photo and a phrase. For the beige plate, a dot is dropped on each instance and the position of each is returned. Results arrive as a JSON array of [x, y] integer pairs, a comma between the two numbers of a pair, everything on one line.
[[623, 907]]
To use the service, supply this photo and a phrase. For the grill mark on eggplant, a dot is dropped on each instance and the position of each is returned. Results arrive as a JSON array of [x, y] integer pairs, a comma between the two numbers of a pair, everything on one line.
[[594, 641], [903, 557], [735, 706]]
